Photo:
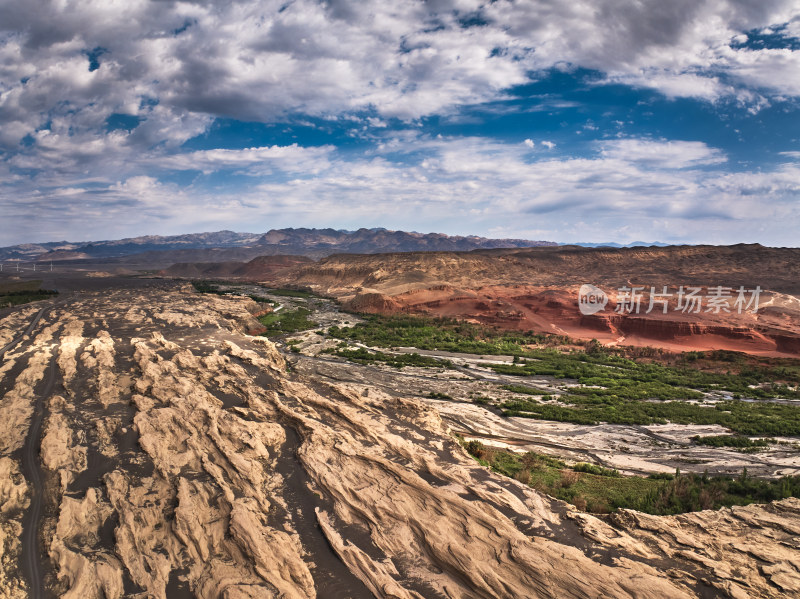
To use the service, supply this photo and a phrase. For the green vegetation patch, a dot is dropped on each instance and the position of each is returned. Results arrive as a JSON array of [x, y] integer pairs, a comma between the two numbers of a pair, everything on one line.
[[611, 387], [735, 441], [439, 334], [286, 321], [602, 371], [291, 293], [617, 390], [602, 490], [595, 469], [605, 374], [745, 418], [18, 286], [522, 389], [364, 356], [207, 287], [15, 293]]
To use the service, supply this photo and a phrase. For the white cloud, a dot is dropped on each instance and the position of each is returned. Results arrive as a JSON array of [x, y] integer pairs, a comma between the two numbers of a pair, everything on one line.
[[663, 153], [177, 66], [681, 48], [251, 61], [252, 161], [676, 84], [665, 190]]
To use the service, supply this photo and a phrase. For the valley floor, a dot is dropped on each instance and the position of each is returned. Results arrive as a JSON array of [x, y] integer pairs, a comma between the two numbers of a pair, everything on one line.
[[181, 456]]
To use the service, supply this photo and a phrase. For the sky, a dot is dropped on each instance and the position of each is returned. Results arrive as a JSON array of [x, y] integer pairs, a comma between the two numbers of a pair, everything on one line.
[[583, 121]]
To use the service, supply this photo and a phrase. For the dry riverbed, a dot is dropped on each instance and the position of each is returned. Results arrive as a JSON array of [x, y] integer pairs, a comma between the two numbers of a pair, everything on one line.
[[460, 394]]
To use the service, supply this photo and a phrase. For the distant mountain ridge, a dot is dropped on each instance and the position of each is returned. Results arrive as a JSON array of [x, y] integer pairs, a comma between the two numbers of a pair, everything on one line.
[[611, 244], [323, 242], [315, 243]]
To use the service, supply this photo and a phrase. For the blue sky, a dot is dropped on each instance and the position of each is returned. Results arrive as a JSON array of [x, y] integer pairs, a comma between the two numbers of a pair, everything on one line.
[[594, 120]]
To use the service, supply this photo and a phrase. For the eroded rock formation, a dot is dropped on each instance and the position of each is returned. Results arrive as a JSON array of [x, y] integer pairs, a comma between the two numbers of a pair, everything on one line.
[[184, 459], [536, 289]]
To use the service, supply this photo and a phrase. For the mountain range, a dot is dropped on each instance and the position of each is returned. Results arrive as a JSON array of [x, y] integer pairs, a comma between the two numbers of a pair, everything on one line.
[[223, 246]]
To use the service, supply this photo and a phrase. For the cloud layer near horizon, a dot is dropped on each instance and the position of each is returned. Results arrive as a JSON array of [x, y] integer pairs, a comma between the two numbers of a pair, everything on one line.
[[99, 99]]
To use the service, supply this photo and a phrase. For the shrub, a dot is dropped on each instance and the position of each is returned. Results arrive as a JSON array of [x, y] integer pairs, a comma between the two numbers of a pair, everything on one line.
[[738, 441], [287, 321], [568, 478], [523, 476], [594, 469]]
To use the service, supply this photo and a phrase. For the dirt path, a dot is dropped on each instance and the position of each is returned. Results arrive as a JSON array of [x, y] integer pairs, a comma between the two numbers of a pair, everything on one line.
[[27, 331], [32, 470]]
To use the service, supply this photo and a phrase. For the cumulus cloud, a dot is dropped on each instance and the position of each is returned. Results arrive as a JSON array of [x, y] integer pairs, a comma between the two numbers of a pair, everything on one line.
[[257, 60], [681, 48], [69, 71], [177, 64], [662, 154], [261, 60], [251, 161], [672, 189]]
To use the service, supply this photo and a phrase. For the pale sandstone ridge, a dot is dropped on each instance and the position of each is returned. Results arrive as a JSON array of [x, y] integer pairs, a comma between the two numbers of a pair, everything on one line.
[[99, 354], [14, 498], [17, 405], [213, 471], [14, 323], [30, 359], [71, 340], [13, 490], [744, 546], [76, 535], [63, 449]]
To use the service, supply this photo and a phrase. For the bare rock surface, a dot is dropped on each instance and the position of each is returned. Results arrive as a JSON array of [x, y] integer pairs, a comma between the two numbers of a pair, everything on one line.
[[13, 499], [23, 369], [61, 448], [183, 458]]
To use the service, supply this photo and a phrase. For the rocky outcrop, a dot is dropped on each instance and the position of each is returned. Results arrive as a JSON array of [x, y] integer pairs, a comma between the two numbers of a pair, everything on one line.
[[14, 497], [258, 268], [61, 449], [76, 537], [776, 269], [785, 342], [373, 303], [13, 490]]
